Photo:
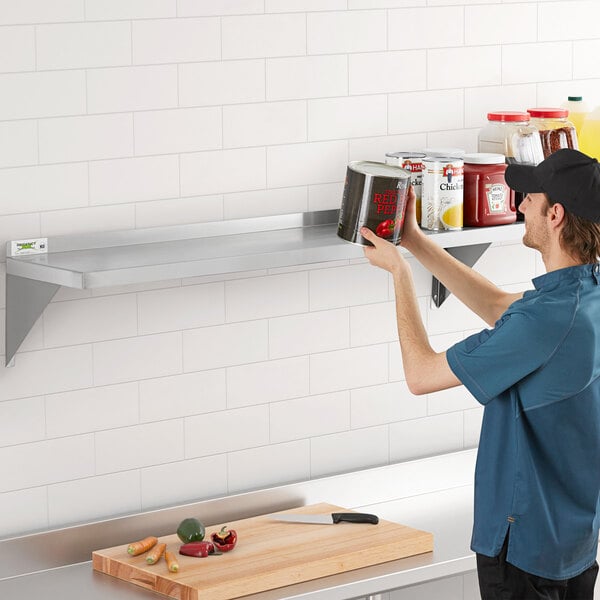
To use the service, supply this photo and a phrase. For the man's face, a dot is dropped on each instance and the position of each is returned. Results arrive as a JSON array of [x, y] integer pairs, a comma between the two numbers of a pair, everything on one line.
[[535, 209]]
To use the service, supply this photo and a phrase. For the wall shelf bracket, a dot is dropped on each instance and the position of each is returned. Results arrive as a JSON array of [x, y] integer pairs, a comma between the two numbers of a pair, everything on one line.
[[467, 255], [26, 300]]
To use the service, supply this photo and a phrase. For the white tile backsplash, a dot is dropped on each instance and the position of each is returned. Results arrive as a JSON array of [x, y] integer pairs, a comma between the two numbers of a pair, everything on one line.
[[131, 88], [426, 436], [91, 409], [554, 23], [386, 403], [85, 138], [246, 427], [271, 381], [268, 465], [355, 116], [211, 172], [480, 65], [310, 417], [347, 286], [136, 358], [265, 124], [49, 187], [349, 450], [133, 179], [180, 130], [181, 308], [22, 421], [18, 143], [17, 49], [83, 45], [346, 32], [347, 369], [182, 395], [23, 510], [426, 28], [302, 164], [406, 116], [225, 345], [183, 481], [123, 114], [139, 446], [260, 36], [527, 63], [175, 40], [309, 333], [90, 320], [111, 10], [46, 462], [44, 371], [228, 82], [51, 94], [88, 219], [272, 296], [41, 11], [306, 77], [87, 499], [377, 71], [480, 31]]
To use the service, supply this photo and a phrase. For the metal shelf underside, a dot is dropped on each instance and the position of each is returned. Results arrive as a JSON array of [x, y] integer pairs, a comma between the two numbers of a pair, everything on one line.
[[145, 255]]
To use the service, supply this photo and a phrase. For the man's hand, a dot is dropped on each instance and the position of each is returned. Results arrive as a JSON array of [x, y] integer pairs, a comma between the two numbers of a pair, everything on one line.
[[382, 254]]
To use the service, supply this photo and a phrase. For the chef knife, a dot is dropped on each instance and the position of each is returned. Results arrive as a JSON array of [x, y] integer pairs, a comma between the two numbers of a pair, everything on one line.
[[328, 518]]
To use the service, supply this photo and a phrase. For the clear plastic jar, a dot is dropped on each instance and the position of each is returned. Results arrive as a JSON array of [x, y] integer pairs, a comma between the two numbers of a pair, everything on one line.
[[555, 130], [510, 133]]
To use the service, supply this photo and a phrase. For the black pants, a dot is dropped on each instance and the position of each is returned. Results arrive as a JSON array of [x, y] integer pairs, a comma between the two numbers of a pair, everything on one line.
[[499, 580]]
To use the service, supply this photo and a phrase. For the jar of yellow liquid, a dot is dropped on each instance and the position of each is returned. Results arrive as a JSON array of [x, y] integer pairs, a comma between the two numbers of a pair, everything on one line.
[[589, 142], [578, 110]]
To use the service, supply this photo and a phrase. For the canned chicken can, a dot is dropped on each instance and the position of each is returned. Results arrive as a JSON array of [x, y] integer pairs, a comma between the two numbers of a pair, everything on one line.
[[375, 196], [442, 193], [413, 163]]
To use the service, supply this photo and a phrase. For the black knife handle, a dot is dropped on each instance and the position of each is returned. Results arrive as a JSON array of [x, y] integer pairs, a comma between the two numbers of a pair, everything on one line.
[[355, 518]]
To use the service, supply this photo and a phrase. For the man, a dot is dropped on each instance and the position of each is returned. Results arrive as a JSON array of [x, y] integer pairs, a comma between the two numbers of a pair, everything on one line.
[[537, 372]]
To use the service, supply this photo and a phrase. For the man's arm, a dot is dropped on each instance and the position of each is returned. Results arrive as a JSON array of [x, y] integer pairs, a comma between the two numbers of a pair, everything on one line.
[[475, 291], [425, 370]]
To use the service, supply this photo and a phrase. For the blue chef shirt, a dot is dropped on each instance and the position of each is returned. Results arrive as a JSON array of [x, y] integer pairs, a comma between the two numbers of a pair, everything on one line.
[[538, 463]]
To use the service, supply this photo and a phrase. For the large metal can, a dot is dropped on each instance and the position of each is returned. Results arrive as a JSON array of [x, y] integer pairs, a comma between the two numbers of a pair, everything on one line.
[[442, 194], [375, 196]]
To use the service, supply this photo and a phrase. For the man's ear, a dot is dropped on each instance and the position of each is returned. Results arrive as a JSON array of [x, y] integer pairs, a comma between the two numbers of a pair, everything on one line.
[[556, 212]]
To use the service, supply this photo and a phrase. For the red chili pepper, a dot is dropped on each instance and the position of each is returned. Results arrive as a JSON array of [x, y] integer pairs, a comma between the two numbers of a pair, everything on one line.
[[197, 549], [225, 540], [385, 228]]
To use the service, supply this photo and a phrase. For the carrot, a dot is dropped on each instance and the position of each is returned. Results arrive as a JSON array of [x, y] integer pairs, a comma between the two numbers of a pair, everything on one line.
[[172, 563], [157, 552], [142, 546]]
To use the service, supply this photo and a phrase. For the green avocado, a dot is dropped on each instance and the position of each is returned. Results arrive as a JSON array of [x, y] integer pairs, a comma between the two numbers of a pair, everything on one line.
[[190, 530]]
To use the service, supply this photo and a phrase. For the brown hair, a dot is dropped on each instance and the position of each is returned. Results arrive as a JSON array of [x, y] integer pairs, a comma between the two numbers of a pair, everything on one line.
[[580, 237]]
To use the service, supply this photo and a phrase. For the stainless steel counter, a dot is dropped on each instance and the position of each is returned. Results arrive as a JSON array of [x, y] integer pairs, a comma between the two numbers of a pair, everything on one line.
[[433, 494]]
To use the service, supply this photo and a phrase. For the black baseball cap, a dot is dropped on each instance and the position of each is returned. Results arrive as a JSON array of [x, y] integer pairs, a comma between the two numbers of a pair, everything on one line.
[[567, 177]]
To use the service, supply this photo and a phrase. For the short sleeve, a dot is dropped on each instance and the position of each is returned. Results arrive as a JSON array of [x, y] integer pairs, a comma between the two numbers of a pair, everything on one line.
[[493, 360]]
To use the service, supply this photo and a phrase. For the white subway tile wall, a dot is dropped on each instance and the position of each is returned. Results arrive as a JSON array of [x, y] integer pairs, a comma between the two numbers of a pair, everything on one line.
[[124, 114]]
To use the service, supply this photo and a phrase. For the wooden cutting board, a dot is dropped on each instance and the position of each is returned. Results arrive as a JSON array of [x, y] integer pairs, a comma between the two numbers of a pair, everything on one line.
[[269, 554]]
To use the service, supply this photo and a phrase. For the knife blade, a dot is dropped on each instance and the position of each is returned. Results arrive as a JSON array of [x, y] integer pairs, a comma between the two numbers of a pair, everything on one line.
[[327, 518]]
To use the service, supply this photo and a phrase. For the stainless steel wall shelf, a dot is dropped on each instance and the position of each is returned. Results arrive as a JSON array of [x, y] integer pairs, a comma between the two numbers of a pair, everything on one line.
[[142, 255]]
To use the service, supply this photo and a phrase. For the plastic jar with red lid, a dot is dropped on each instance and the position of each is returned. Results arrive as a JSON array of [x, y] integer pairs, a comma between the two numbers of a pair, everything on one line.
[[510, 133], [555, 130], [488, 200]]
